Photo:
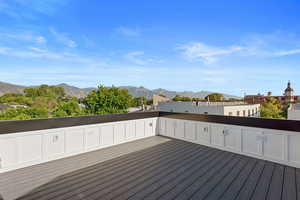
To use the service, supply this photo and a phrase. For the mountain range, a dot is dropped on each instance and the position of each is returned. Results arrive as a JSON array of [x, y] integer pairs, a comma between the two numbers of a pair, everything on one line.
[[135, 91]]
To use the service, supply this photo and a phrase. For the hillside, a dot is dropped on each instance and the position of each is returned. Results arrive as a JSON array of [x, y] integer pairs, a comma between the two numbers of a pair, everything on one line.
[[10, 88], [135, 91]]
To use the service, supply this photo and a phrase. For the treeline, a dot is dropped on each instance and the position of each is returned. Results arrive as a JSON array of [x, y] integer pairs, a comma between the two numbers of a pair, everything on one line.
[[51, 101]]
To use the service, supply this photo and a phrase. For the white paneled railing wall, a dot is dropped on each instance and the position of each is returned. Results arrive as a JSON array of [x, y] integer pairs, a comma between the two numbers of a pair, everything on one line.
[[268, 144], [23, 149]]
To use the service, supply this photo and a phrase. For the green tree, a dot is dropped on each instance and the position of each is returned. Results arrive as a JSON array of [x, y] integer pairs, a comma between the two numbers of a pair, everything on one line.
[[181, 98], [15, 99], [107, 100], [24, 113], [46, 96], [52, 92], [68, 108], [272, 108], [214, 97], [138, 101], [46, 102]]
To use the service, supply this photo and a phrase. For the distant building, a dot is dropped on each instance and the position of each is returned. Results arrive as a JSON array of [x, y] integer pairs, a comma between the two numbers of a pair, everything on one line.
[[212, 108], [294, 112], [288, 97], [255, 99], [157, 99]]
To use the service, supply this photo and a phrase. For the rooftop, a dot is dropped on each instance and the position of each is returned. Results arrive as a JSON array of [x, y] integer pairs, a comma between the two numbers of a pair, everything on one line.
[[294, 107], [154, 168], [152, 155]]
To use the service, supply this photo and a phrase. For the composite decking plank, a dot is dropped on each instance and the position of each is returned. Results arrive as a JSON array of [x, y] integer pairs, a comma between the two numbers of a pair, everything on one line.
[[156, 190], [250, 184], [219, 187], [126, 185], [129, 189], [263, 184], [171, 189], [94, 184], [289, 184], [228, 170], [275, 190], [238, 183], [298, 183], [185, 191], [95, 172], [142, 189]]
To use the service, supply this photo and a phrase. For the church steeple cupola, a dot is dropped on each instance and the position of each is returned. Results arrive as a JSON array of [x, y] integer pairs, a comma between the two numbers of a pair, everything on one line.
[[289, 90], [288, 93]]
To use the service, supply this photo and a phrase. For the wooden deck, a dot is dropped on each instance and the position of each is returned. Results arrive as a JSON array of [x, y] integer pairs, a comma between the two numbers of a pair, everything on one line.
[[154, 168]]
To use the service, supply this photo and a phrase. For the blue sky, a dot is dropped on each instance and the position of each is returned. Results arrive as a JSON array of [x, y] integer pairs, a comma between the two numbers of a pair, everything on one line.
[[226, 46]]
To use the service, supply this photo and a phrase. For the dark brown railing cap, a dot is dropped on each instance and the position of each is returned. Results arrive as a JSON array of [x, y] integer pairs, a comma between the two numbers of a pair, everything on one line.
[[278, 124], [51, 123], [7, 127]]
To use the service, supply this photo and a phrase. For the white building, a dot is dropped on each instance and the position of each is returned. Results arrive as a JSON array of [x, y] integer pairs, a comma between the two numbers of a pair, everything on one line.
[[212, 108], [294, 112]]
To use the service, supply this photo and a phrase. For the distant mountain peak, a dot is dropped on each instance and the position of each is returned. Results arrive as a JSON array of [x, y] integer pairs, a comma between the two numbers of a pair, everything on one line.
[[135, 91]]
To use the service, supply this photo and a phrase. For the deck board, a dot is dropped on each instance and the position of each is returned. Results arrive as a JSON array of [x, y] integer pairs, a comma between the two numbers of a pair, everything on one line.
[[162, 173], [289, 184], [200, 181], [223, 184], [250, 185], [262, 187], [170, 187], [153, 168], [216, 178], [276, 183]]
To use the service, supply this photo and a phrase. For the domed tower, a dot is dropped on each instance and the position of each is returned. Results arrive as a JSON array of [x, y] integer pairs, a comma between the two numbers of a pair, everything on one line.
[[289, 93]]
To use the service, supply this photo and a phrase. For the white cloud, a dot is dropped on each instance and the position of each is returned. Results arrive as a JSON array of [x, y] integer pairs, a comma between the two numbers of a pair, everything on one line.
[[127, 31], [139, 58], [24, 36], [135, 57], [63, 38], [272, 45], [208, 54], [36, 52], [287, 52]]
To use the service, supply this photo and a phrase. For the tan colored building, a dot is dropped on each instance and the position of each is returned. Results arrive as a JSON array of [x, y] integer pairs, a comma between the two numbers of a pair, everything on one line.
[[157, 99]]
